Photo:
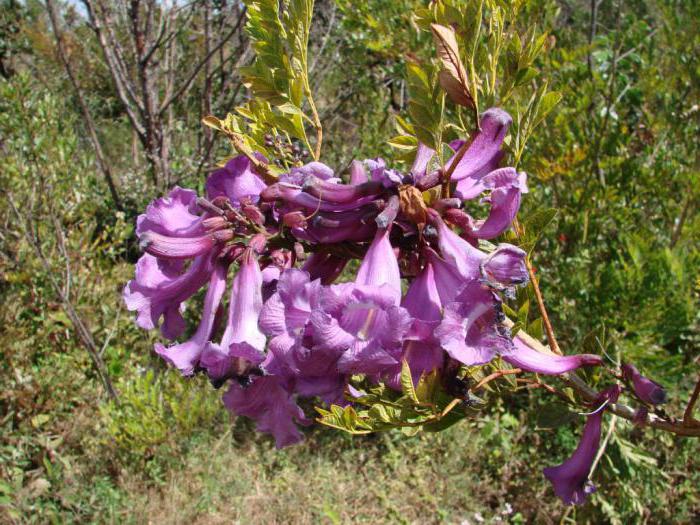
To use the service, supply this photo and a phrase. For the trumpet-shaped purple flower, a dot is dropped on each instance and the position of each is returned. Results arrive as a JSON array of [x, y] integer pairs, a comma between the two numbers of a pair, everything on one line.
[[570, 479], [471, 330], [242, 342], [484, 153], [270, 405], [236, 181], [185, 356], [647, 390], [380, 266], [527, 358], [160, 288], [506, 186], [362, 322]]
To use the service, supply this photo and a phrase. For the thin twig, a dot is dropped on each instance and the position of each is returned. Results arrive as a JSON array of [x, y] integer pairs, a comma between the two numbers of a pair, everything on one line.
[[688, 414]]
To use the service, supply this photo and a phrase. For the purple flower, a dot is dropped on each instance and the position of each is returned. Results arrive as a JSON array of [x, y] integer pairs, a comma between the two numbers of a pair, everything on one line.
[[270, 405], [380, 266], [185, 356], [235, 181], [362, 322], [470, 330], [527, 358], [506, 186], [484, 152], [570, 479], [242, 343], [505, 266], [160, 288], [420, 349], [644, 388]]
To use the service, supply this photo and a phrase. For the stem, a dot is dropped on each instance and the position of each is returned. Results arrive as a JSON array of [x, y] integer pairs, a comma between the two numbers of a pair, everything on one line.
[[538, 295], [688, 414], [543, 311], [625, 412], [317, 121], [496, 375]]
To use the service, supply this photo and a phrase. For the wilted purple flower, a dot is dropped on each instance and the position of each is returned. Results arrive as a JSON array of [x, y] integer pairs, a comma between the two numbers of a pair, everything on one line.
[[527, 358], [570, 479], [645, 389], [270, 405]]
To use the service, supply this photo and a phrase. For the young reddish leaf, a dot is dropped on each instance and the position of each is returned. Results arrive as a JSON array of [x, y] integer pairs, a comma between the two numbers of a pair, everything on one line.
[[453, 75]]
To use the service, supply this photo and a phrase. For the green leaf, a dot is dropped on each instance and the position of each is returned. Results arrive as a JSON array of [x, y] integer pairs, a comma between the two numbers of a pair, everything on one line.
[[407, 382], [427, 387], [547, 103], [534, 226]]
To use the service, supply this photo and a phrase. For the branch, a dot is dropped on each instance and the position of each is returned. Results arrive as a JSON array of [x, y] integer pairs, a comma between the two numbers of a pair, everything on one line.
[[188, 83], [623, 411], [89, 123], [84, 333]]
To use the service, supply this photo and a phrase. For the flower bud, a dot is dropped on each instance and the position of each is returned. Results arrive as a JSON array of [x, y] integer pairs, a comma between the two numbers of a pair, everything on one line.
[[647, 390]]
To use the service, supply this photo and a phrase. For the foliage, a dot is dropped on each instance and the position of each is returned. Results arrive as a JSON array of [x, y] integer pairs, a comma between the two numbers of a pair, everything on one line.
[[617, 159]]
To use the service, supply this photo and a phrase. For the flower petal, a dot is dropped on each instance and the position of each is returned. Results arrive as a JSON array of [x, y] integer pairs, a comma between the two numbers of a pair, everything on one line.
[[185, 356]]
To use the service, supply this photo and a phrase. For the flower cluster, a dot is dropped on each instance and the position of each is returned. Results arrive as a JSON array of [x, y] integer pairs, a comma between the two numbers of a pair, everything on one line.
[[423, 293]]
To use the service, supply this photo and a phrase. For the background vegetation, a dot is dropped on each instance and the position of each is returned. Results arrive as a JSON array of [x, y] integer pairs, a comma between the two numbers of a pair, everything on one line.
[[85, 148]]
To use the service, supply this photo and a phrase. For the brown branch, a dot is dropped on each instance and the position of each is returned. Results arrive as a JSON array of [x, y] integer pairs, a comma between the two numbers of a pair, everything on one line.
[[625, 412], [688, 419], [84, 333], [87, 116], [496, 375], [188, 83]]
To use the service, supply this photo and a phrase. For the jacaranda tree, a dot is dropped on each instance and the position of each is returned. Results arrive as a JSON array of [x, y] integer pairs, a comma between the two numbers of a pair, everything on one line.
[[430, 316]]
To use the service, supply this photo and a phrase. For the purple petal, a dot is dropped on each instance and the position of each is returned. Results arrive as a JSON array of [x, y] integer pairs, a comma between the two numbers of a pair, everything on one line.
[[270, 406], [422, 299], [358, 175], [380, 266], [176, 215], [185, 356], [235, 181], [424, 155], [483, 155], [175, 247], [527, 358], [647, 390], [458, 252]]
